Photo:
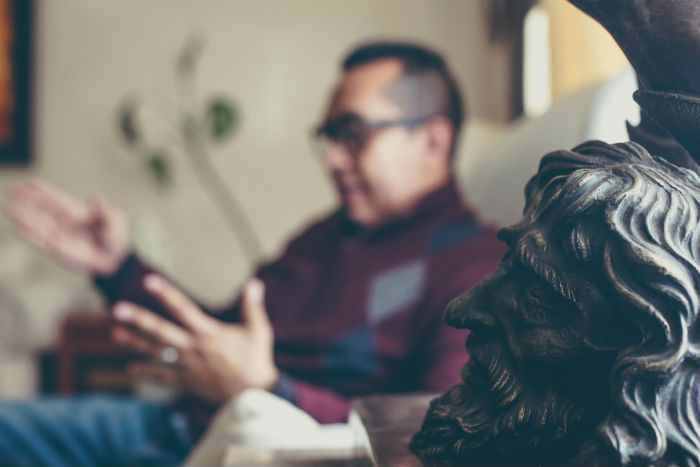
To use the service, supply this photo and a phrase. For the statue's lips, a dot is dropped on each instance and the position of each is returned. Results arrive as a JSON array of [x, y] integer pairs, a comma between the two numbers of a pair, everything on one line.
[[480, 355], [481, 344], [490, 367]]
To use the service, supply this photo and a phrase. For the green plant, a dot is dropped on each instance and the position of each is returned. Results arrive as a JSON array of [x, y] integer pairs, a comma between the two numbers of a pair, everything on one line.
[[194, 131]]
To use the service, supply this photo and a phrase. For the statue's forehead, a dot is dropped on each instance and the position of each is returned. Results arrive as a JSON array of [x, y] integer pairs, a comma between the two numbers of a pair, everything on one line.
[[537, 251]]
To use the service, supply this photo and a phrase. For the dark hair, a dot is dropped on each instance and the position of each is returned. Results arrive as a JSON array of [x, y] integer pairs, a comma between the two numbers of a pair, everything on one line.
[[426, 72]]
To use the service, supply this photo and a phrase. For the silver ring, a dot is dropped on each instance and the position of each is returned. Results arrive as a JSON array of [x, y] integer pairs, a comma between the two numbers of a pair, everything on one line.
[[169, 355]]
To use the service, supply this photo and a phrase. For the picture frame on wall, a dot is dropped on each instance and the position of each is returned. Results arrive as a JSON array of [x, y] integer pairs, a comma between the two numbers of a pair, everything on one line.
[[16, 82]]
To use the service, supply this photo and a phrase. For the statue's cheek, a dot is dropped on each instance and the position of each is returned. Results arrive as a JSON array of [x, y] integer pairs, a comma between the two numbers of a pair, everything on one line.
[[550, 345]]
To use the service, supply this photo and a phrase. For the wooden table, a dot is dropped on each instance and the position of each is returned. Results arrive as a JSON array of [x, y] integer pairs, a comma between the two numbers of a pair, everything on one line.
[[390, 421], [383, 426]]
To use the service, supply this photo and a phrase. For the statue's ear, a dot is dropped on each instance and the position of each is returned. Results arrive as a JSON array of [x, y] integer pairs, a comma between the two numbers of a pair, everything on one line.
[[611, 325], [608, 330], [583, 239]]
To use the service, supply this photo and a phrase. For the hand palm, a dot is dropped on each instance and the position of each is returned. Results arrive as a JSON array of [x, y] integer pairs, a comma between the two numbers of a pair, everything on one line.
[[88, 236]]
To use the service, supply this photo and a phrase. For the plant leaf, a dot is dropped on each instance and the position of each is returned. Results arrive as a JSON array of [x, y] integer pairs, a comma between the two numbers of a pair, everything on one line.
[[191, 51], [159, 166], [222, 118], [127, 123]]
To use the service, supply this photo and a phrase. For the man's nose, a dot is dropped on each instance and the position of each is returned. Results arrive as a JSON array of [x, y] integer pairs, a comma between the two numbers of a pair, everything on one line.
[[336, 156], [473, 309]]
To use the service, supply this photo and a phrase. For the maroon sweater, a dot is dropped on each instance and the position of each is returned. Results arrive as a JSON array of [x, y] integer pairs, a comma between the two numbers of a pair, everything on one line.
[[357, 312]]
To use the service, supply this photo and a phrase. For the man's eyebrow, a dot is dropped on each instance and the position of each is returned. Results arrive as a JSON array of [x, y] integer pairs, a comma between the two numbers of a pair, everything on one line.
[[532, 262]]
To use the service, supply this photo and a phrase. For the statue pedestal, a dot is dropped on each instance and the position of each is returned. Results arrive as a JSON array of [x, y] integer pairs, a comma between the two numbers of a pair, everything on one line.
[[390, 422]]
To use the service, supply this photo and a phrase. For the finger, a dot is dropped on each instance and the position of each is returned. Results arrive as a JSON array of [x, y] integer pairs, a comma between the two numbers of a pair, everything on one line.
[[57, 201], [76, 249], [18, 209], [130, 338], [156, 328], [69, 245], [37, 218], [50, 199], [253, 309], [156, 372], [35, 226], [24, 212], [100, 206], [42, 230], [98, 219], [100, 211], [180, 306]]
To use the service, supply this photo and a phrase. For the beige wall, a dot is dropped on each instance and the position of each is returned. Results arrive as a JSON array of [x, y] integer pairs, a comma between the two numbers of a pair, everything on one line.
[[278, 59], [582, 50]]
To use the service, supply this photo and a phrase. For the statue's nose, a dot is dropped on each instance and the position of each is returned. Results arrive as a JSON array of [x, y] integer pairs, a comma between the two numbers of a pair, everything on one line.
[[473, 309]]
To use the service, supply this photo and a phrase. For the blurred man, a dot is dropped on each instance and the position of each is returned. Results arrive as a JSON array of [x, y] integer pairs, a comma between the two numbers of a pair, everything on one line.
[[353, 306]]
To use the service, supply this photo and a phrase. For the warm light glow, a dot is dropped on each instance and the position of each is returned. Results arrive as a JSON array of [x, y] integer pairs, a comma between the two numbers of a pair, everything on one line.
[[537, 66]]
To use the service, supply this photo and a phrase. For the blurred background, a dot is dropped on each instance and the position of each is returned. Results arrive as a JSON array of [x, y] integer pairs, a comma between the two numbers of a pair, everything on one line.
[[78, 61]]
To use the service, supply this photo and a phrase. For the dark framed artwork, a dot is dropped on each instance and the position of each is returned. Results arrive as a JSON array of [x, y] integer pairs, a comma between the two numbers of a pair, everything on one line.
[[15, 82]]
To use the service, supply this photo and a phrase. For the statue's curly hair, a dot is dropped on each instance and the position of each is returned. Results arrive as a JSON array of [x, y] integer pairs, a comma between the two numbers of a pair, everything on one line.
[[633, 221], [651, 260]]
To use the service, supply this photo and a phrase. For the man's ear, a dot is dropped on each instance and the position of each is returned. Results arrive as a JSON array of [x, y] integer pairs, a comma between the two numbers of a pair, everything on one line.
[[440, 132]]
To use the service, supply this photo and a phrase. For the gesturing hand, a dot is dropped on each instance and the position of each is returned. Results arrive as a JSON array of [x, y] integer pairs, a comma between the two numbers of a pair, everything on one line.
[[207, 357], [91, 236]]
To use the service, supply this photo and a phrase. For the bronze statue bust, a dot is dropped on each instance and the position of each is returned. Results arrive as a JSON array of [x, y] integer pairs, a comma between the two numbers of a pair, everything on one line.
[[585, 343], [585, 340]]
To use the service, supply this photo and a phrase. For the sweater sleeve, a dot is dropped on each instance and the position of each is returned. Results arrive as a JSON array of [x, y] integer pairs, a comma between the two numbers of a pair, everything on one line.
[[127, 284], [323, 404]]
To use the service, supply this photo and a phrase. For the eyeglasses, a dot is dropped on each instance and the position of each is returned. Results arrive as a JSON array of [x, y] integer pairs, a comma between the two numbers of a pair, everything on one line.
[[353, 132]]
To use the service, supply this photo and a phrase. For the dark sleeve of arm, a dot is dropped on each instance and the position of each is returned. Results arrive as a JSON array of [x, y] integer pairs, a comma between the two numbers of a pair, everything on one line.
[[127, 284], [322, 404]]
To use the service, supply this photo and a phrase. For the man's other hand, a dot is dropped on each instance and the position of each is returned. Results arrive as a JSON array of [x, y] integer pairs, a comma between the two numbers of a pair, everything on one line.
[[90, 236], [200, 354]]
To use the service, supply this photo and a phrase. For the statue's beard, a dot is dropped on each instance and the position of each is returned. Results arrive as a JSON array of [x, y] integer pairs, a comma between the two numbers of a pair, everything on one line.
[[497, 416]]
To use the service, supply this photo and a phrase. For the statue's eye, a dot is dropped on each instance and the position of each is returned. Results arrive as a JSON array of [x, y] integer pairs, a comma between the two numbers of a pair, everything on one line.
[[538, 306]]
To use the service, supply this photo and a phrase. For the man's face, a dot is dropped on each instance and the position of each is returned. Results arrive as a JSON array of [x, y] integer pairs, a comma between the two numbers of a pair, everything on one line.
[[391, 170]]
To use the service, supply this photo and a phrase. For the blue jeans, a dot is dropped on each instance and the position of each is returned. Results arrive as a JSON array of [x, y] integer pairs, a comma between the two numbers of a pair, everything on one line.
[[91, 431]]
